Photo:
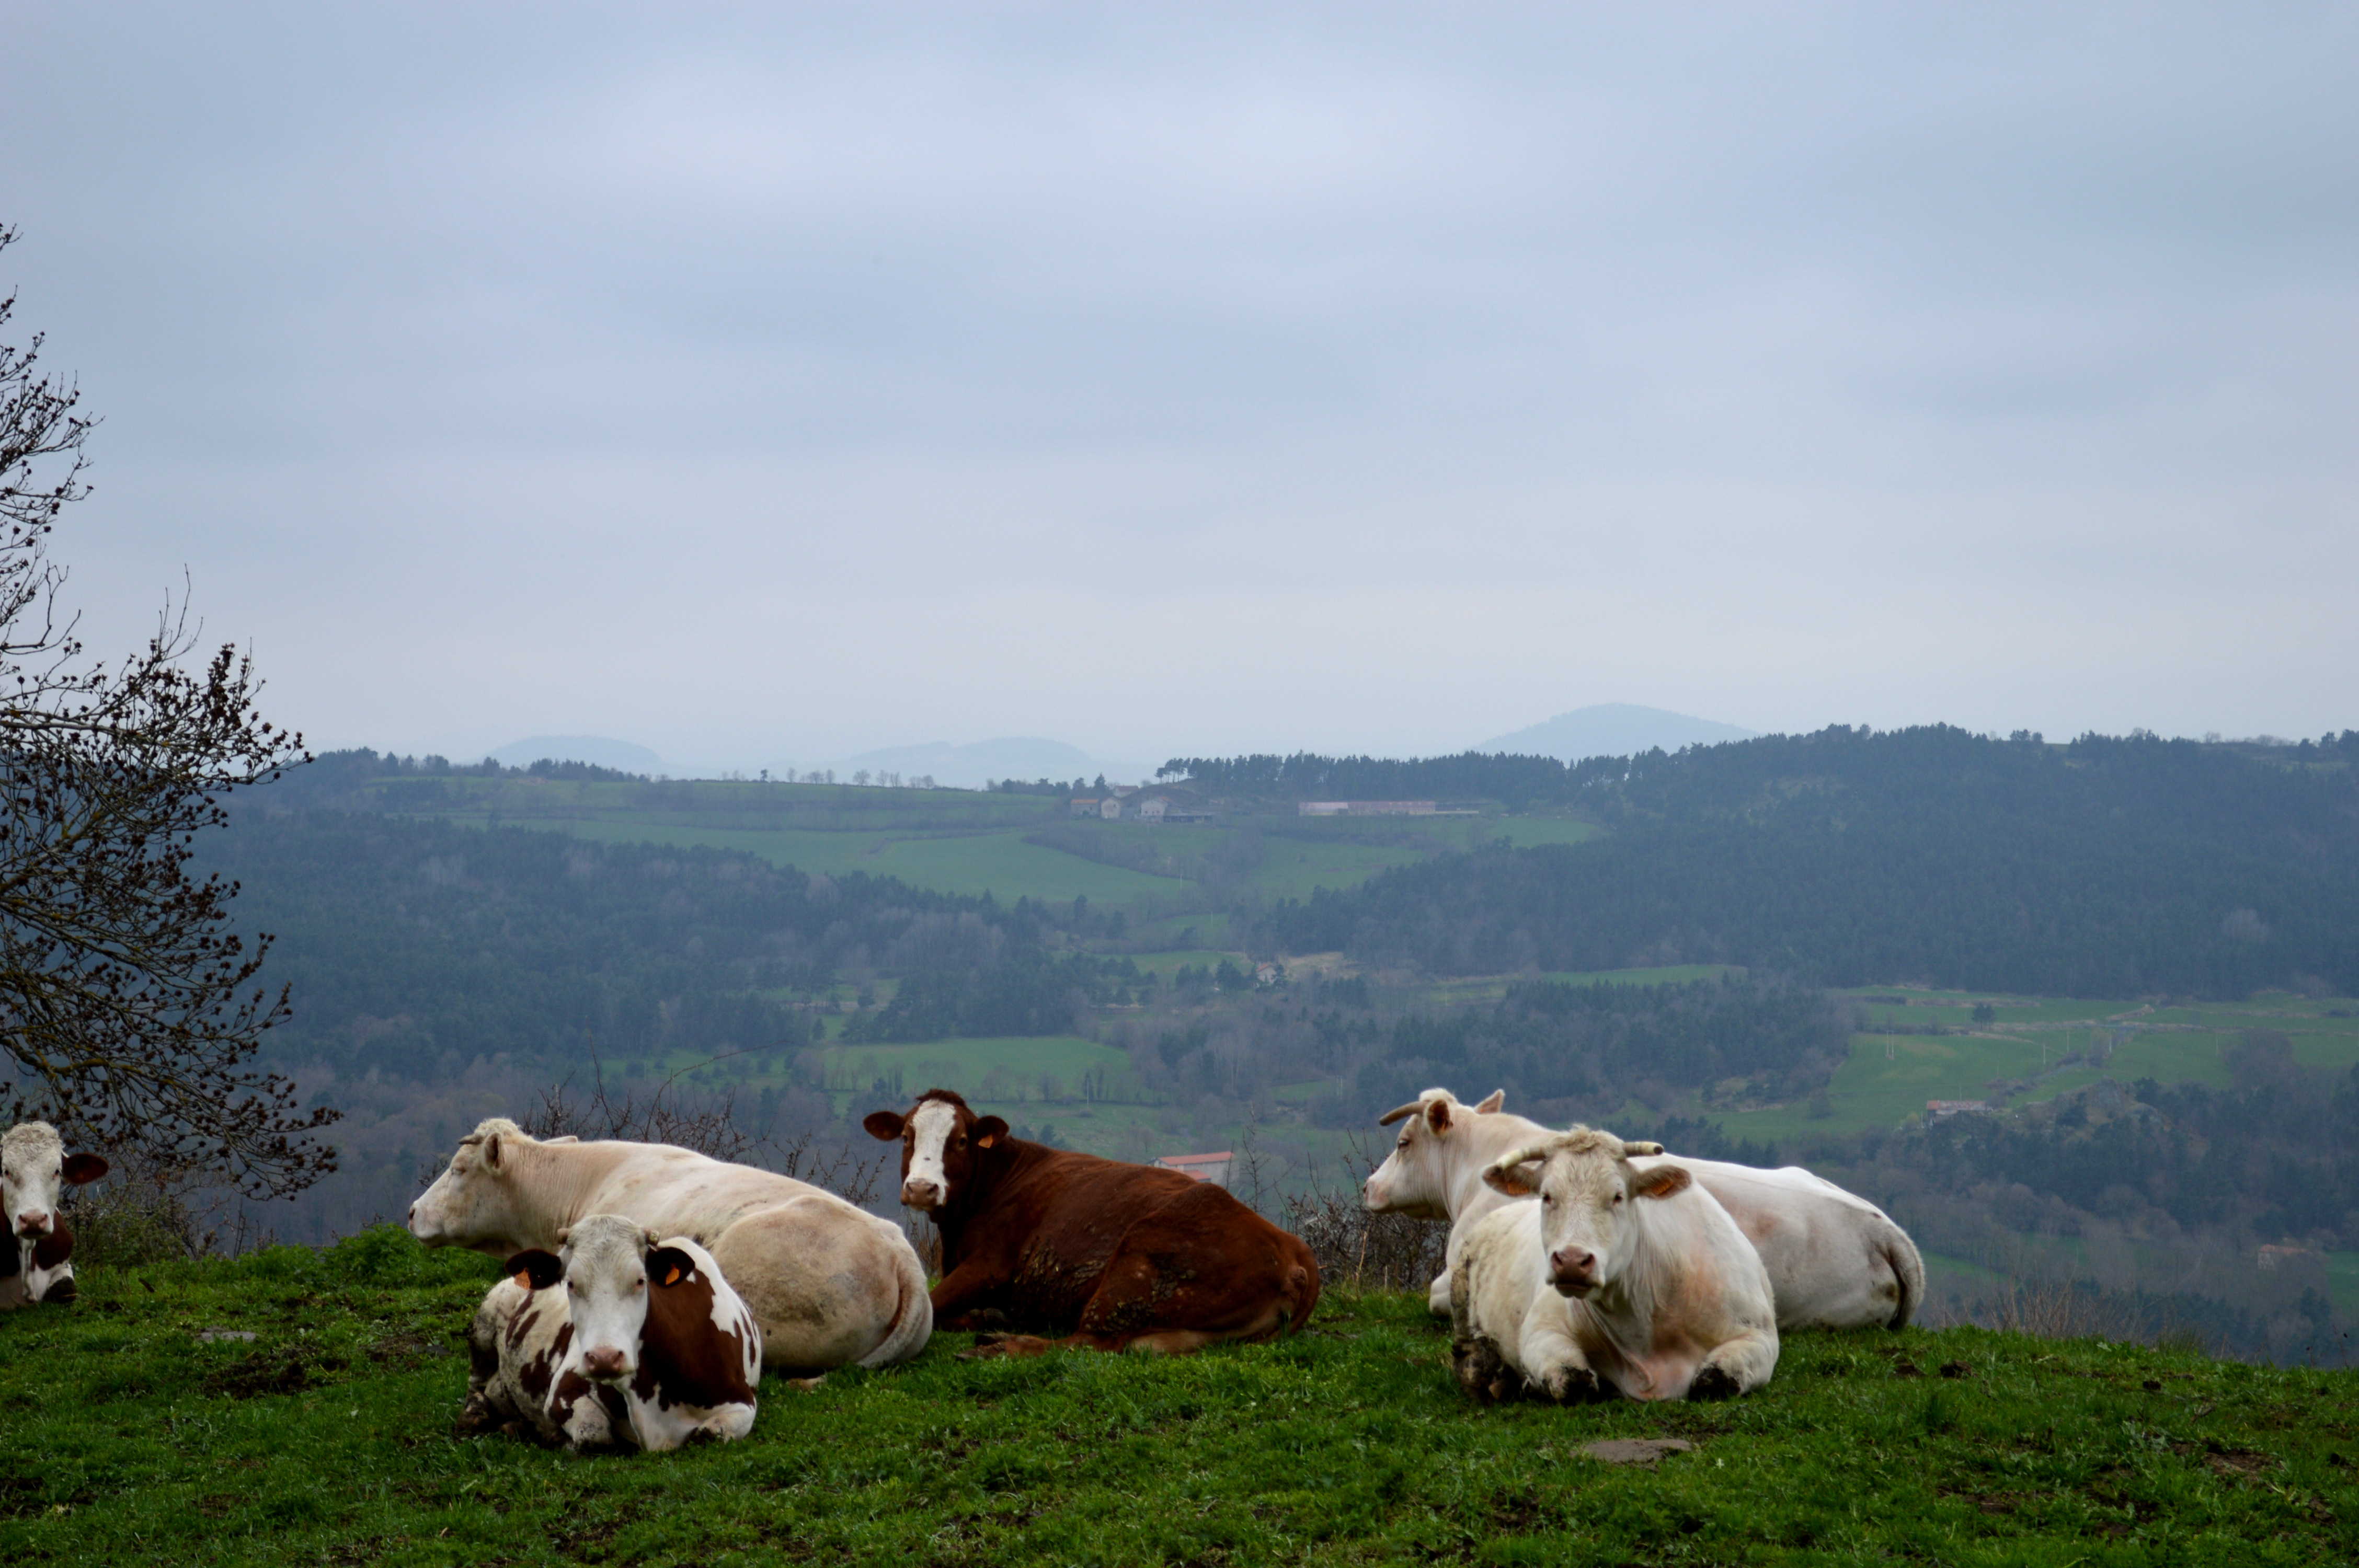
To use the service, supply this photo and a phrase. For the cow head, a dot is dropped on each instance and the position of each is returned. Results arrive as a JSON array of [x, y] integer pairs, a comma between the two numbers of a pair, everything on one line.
[[34, 1171], [474, 1202], [610, 1267], [1588, 1191], [1412, 1180], [942, 1144]]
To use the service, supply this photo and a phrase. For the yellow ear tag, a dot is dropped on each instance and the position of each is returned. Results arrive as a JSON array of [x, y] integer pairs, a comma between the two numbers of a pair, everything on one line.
[[673, 1278]]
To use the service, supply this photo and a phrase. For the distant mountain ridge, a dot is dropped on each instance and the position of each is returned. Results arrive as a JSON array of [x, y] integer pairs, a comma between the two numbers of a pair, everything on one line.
[[1614, 729]]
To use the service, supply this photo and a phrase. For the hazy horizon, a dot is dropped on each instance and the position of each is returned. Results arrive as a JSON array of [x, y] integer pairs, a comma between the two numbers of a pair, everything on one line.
[[761, 384]]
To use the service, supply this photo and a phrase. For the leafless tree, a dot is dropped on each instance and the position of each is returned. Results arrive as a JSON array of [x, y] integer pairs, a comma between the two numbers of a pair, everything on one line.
[[707, 1122], [128, 1007]]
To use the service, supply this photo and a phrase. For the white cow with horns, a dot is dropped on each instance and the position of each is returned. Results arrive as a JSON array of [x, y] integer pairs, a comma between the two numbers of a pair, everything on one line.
[[830, 1284], [1618, 1281], [35, 1170], [1835, 1259]]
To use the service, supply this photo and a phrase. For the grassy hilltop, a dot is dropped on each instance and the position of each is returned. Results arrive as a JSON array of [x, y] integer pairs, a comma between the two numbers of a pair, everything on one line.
[[131, 1438]]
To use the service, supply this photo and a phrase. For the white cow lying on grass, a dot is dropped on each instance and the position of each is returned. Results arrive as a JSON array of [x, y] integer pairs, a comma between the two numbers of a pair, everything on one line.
[[35, 1170], [829, 1284], [1835, 1259], [1618, 1281], [617, 1341]]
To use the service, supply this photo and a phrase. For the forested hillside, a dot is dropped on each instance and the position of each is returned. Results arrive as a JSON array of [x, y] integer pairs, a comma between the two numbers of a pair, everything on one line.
[[414, 947], [2104, 867]]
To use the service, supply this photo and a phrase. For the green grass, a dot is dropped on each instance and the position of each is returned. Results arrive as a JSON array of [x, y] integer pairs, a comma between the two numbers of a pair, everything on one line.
[[1001, 864], [1889, 1076], [1669, 974], [964, 1065], [956, 841], [327, 1440]]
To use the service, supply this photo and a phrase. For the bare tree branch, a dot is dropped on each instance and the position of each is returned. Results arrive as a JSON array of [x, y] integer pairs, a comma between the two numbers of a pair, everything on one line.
[[128, 1007]]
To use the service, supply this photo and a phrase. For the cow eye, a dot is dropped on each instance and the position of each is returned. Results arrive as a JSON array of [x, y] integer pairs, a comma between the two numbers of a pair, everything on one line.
[[1548, 1200], [1617, 1197]]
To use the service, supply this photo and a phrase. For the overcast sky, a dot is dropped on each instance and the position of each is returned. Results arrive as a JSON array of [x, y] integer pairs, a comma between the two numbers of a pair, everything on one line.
[[772, 384]]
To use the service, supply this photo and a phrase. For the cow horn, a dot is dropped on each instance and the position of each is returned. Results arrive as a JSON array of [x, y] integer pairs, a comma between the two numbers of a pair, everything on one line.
[[1530, 1151], [1411, 1109], [1639, 1146]]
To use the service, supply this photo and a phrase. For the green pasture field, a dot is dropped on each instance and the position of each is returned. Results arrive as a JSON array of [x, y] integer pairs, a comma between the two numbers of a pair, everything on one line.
[[1889, 1076], [1001, 864], [954, 840], [963, 1065], [327, 1439]]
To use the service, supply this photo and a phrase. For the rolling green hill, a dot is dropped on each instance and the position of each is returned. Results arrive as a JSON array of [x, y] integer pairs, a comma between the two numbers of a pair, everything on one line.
[[954, 842]]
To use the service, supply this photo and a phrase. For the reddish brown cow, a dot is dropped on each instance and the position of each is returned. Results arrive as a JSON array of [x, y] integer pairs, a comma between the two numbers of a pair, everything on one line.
[[1114, 1257]]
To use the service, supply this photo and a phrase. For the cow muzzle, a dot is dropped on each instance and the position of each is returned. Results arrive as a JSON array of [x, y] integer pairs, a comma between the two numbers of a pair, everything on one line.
[[605, 1365], [1572, 1271], [918, 1193], [34, 1224]]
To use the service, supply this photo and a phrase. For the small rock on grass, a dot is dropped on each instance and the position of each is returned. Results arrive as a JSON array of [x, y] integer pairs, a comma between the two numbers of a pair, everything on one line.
[[1636, 1450]]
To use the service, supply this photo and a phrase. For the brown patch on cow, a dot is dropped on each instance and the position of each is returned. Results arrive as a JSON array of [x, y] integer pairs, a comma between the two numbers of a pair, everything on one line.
[[684, 1359], [534, 1376], [55, 1248]]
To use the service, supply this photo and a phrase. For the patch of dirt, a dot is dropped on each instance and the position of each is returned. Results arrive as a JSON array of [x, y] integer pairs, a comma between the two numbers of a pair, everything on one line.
[[403, 1351], [1956, 1369], [1906, 1369], [271, 1372]]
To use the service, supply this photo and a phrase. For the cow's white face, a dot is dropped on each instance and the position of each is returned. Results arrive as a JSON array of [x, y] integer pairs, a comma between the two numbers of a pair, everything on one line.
[[34, 1174], [1588, 1189], [933, 1127], [606, 1260], [1411, 1181], [474, 1203]]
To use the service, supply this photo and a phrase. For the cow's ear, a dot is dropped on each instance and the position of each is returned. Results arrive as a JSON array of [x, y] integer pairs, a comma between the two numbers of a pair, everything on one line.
[[492, 1150], [989, 1132], [884, 1125], [1517, 1178], [1436, 1116], [1661, 1182], [1492, 1102], [667, 1266], [84, 1169], [536, 1270]]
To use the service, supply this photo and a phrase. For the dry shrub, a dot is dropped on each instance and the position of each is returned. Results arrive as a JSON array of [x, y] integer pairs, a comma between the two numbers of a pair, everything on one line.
[[2072, 1309], [705, 1121], [157, 1209], [1367, 1251]]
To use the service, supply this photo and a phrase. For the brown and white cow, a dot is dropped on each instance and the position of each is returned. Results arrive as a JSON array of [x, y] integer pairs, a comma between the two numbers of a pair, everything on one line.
[[1835, 1259], [35, 1170], [617, 1340], [1618, 1281], [830, 1284], [1111, 1256]]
